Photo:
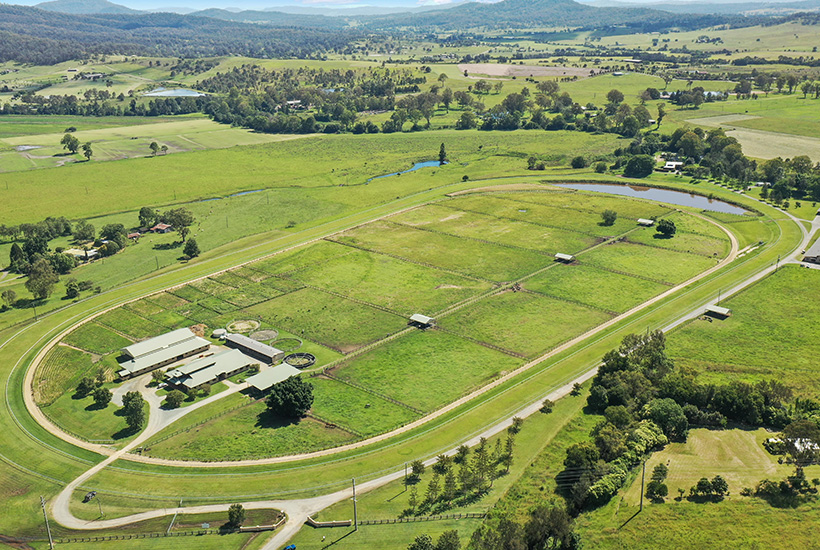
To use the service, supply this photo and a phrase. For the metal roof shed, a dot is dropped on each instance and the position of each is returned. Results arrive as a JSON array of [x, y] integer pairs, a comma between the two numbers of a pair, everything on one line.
[[420, 319], [718, 311], [646, 222], [267, 378], [158, 342], [564, 257]]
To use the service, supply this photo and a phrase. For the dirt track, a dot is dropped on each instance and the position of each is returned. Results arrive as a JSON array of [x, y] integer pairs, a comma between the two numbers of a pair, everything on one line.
[[499, 69]]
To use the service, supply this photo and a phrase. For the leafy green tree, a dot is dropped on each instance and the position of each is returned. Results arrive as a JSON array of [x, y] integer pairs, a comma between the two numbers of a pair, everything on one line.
[[666, 228], [114, 232], [102, 397], [9, 297], [417, 469], [609, 216], [205, 390], [18, 260], [41, 279], [181, 219], [62, 263], [669, 416], [547, 406], [154, 148], [87, 151], [639, 166], [549, 527], [461, 455], [433, 489], [191, 248], [84, 231], [660, 472], [656, 491], [86, 386], [71, 143], [174, 399], [422, 542], [133, 408], [147, 217], [157, 376], [448, 540], [719, 486], [615, 96], [72, 289], [236, 515], [579, 162], [291, 398], [442, 154]]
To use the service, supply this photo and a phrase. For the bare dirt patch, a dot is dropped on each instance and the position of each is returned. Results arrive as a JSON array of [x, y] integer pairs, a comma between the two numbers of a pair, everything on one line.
[[500, 69]]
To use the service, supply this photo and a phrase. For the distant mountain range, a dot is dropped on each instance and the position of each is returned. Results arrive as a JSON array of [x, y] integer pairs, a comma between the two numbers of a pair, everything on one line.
[[85, 7], [725, 8]]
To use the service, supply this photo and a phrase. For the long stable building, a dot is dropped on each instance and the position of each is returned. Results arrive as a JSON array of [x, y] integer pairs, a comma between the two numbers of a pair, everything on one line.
[[208, 370], [160, 351], [258, 350]]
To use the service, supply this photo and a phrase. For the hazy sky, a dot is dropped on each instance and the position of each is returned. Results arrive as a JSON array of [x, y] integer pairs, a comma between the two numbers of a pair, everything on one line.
[[262, 4]]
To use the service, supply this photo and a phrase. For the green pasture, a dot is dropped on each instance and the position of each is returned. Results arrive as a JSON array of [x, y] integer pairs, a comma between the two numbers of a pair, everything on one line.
[[448, 218], [467, 257], [739, 457], [405, 368], [399, 286], [594, 287], [682, 242], [523, 322], [116, 143], [16, 126], [328, 319], [96, 338], [82, 418], [249, 432], [562, 217], [653, 263], [349, 407], [60, 371], [768, 336]]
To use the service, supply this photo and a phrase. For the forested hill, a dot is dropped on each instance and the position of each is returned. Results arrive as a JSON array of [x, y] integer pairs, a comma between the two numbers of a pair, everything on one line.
[[274, 18], [528, 14], [84, 6], [32, 35]]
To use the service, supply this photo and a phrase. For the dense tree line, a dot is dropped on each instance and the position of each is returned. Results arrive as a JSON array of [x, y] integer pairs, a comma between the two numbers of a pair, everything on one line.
[[647, 401]]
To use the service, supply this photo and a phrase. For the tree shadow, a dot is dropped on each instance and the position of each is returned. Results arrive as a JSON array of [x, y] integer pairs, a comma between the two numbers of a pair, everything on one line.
[[630, 518], [661, 236], [124, 433], [167, 246], [337, 541], [270, 420], [96, 407]]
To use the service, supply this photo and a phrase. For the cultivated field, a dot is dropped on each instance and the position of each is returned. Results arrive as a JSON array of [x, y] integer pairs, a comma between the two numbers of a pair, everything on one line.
[[454, 260]]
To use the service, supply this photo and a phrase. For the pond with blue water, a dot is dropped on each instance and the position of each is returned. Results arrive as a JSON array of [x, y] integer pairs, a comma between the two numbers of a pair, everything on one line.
[[661, 195], [173, 92], [416, 166]]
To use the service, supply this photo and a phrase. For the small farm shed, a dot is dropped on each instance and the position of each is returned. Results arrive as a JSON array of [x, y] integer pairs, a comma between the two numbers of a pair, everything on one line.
[[266, 378], [718, 311], [421, 321], [561, 257], [645, 222], [161, 228]]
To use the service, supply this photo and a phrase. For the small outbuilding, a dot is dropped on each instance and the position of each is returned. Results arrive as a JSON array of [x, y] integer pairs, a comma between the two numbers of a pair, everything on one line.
[[718, 311], [220, 333], [646, 222], [421, 321], [566, 258], [268, 377], [161, 228]]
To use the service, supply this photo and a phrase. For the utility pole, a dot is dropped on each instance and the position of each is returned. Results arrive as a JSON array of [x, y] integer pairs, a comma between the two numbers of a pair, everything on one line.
[[718, 302], [405, 476], [157, 259], [777, 265], [643, 476], [355, 508], [48, 528]]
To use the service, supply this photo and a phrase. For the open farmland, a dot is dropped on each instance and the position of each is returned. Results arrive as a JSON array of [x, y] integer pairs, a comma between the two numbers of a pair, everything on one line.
[[771, 334], [346, 300]]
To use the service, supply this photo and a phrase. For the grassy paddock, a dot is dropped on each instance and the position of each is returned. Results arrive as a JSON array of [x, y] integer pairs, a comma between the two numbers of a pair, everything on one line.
[[749, 345]]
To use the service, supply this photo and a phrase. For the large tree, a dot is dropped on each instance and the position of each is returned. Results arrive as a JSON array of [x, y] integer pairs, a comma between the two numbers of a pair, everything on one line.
[[71, 143], [291, 398], [41, 279], [181, 219], [133, 410]]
